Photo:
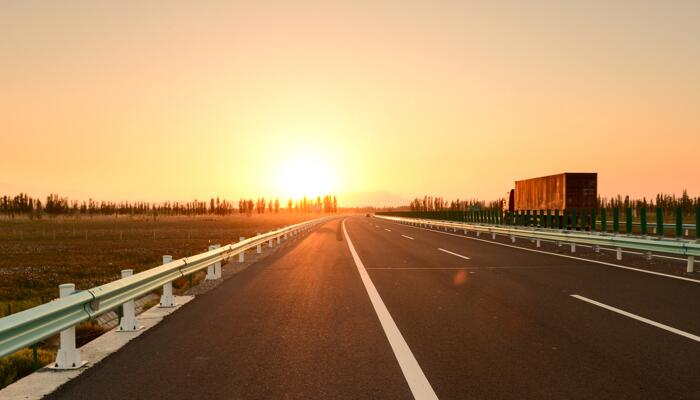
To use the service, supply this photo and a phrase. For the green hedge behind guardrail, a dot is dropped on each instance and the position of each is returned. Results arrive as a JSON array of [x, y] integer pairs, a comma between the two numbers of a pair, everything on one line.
[[594, 219]]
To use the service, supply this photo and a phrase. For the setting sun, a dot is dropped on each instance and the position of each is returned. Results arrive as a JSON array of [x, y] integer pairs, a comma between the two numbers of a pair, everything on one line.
[[305, 174]]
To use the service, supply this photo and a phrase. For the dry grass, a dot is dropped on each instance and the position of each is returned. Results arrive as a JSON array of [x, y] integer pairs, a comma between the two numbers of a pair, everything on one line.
[[38, 255]]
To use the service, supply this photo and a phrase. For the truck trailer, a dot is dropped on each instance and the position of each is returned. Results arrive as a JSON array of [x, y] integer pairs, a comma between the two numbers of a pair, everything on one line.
[[555, 192]]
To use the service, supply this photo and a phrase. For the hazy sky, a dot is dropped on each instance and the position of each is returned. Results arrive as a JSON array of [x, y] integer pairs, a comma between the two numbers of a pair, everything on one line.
[[176, 100]]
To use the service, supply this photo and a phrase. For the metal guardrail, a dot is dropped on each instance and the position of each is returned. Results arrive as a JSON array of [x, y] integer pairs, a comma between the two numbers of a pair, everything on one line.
[[30, 326], [685, 248]]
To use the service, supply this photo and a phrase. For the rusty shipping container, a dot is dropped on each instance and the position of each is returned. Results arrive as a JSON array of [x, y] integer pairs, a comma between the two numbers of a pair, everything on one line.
[[557, 192]]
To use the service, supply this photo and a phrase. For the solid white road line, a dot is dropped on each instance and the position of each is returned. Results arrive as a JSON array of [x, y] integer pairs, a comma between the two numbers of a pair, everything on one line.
[[407, 237], [557, 254], [388, 230], [638, 318], [417, 382], [454, 254], [461, 268]]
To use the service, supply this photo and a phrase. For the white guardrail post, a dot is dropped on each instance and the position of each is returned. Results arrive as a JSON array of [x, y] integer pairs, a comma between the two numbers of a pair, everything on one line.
[[214, 269], [241, 255], [691, 264], [217, 266], [259, 249], [167, 300], [128, 322], [68, 356]]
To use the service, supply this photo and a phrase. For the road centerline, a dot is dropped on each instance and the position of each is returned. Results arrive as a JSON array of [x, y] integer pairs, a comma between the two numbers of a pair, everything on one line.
[[388, 230], [638, 318], [417, 382], [453, 253], [408, 237]]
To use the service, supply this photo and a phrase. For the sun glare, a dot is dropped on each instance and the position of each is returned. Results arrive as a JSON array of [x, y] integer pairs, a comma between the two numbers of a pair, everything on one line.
[[306, 175]]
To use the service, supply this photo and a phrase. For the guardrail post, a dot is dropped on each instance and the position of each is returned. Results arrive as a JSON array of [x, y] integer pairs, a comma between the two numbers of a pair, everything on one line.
[[619, 254], [679, 222], [573, 247], [68, 357], [279, 240], [691, 264], [596, 249], [128, 321], [647, 255], [217, 266], [211, 275], [512, 238], [493, 235], [259, 249], [269, 243], [167, 299], [241, 255], [659, 222], [538, 242]]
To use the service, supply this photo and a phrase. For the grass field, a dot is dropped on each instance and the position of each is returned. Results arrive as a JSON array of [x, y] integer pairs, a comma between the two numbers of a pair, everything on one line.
[[38, 255]]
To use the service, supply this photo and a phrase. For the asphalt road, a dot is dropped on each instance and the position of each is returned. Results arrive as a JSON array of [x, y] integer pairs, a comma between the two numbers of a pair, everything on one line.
[[406, 312]]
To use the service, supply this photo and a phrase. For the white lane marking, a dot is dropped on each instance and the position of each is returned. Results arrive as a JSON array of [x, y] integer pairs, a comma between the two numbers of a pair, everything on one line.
[[462, 268], [454, 254], [417, 382], [638, 318], [388, 230], [407, 237], [558, 255]]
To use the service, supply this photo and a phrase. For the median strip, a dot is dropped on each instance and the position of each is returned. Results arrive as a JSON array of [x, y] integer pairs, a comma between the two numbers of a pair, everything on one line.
[[454, 254], [638, 318]]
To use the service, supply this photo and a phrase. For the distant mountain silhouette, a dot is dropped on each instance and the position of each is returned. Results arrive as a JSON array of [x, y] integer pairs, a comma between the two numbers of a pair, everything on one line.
[[372, 198]]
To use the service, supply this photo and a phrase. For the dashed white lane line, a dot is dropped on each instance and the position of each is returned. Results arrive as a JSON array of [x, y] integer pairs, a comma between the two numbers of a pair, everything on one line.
[[407, 237], [388, 230], [454, 254], [417, 382], [638, 318], [682, 278]]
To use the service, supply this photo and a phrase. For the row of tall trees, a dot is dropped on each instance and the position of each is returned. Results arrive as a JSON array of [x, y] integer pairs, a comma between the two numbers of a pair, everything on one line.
[[436, 203], [325, 204], [666, 202], [54, 205]]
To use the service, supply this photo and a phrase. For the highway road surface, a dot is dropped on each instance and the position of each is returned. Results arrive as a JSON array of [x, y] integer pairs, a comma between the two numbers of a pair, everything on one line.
[[362, 308]]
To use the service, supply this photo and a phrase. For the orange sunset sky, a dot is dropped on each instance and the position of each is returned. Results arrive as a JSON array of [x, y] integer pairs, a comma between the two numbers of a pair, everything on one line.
[[174, 100]]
